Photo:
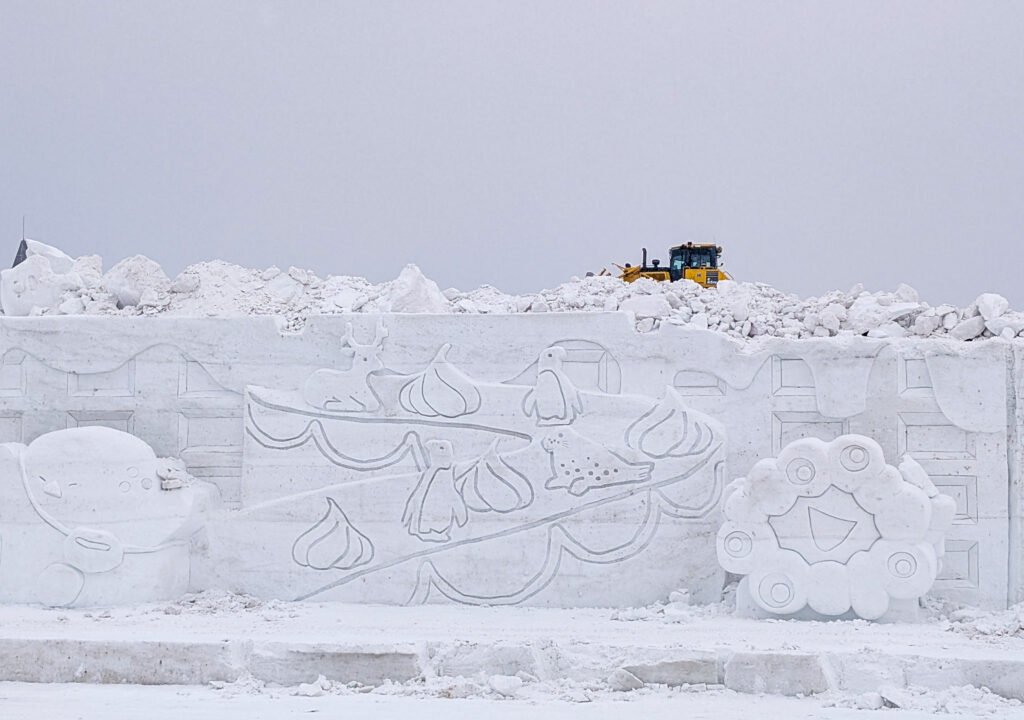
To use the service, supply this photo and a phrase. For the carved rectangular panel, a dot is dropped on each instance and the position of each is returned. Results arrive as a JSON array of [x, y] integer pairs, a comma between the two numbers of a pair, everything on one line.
[[116, 383], [123, 420], [914, 377], [964, 490], [932, 436], [591, 366], [791, 376], [12, 377], [11, 427], [695, 383], [959, 565], [195, 381], [210, 431], [795, 425]]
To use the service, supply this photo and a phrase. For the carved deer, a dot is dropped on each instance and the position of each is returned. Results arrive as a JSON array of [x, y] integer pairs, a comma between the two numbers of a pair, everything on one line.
[[350, 389]]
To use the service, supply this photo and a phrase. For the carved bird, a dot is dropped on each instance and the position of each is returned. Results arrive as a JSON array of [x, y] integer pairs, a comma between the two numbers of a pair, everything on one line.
[[435, 505], [554, 400]]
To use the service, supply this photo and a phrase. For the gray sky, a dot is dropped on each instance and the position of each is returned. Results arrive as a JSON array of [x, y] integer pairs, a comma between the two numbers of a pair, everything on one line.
[[518, 143]]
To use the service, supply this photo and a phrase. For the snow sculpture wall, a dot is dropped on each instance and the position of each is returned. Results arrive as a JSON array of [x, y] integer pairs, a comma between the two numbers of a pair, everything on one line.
[[830, 526], [410, 458], [91, 516]]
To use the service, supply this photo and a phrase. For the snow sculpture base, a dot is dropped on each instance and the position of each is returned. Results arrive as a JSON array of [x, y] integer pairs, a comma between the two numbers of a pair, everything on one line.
[[830, 529], [90, 516]]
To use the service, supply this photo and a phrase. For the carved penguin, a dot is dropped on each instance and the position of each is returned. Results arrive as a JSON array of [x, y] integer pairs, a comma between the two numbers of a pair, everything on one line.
[[554, 400], [436, 505]]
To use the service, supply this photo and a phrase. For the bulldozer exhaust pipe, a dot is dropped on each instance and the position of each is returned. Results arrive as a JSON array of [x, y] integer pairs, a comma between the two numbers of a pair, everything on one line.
[[645, 257]]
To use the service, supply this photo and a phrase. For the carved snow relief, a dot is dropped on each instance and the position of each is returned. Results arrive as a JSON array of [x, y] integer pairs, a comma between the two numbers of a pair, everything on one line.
[[548, 459], [831, 527], [476, 492], [91, 515]]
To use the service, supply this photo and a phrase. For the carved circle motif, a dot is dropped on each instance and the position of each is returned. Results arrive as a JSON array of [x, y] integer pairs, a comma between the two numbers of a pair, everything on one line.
[[738, 544], [776, 590], [902, 564], [854, 458], [800, 471]]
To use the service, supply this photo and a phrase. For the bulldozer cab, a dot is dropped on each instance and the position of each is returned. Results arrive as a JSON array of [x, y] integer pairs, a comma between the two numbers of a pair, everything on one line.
[[691, 257]]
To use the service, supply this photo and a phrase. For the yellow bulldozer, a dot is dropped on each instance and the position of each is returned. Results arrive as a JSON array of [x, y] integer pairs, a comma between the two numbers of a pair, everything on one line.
[[697, 262]]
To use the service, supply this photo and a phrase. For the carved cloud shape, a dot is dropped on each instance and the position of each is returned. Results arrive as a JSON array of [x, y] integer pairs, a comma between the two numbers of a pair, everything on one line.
[[831, 526]]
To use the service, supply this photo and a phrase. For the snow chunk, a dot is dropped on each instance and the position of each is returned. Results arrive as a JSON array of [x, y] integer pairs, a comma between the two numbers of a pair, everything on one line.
[[991, 305], [646, 306], [32, 287], [127, 280], [505, 685], [623, 680], [60, 262], [412, 292], [969, 329]]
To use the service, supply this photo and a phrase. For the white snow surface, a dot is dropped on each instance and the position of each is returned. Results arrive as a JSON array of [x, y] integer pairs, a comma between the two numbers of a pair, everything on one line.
[[138, 286], [473, 670]]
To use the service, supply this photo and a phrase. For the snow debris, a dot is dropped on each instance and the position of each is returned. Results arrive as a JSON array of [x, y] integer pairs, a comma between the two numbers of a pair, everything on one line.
[[505, 685], [49, 282], [60, 262], [974, 622], [962, 701], [130, 279], [647, 306], [623, 680], [968, 329], [212, 602], [413, 292], [992, 306], [313, 689]]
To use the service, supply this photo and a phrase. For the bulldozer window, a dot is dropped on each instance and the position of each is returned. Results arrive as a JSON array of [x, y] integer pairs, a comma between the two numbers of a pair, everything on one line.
[[694, 258]]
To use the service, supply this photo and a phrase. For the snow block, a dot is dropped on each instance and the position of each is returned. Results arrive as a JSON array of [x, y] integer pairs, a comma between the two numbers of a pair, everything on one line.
[[687, 671], [776, 673], [421, 458]]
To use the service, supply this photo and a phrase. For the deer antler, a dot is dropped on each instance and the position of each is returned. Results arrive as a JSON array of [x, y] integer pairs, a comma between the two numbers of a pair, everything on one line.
[[348, 339], [379, 333]]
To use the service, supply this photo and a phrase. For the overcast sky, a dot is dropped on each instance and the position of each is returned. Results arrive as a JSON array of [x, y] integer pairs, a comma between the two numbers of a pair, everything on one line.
[[519, 143]]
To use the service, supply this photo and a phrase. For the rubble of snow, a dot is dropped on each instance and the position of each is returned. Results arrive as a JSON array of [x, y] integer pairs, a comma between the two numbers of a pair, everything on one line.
[[48, 282]]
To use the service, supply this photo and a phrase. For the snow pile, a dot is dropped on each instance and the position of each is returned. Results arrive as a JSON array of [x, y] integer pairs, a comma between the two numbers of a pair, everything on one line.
[[48, 282], [961, 701], [980, 623]]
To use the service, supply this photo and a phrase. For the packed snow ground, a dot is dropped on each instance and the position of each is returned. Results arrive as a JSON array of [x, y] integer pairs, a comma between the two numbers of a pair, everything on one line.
[[32, 701], [477, 664], [139, 286]]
